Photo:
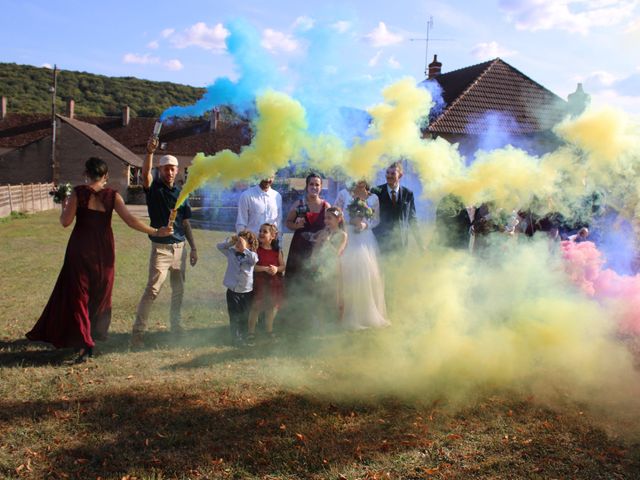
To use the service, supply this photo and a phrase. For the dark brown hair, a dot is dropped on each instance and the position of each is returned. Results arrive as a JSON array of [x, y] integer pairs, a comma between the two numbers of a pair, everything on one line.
[[96, 168], [275, 244]]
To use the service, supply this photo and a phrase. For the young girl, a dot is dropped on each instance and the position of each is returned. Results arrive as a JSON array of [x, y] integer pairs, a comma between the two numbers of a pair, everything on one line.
[[267, 279], [240, 251], [329, 244]]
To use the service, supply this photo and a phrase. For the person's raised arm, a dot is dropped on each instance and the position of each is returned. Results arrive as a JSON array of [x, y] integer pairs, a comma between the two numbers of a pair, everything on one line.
[[147, 164], [135, 223], [69, 207]]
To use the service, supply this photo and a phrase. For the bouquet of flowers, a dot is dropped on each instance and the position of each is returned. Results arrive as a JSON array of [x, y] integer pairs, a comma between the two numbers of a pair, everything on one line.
[[61, 192], [359, 208]]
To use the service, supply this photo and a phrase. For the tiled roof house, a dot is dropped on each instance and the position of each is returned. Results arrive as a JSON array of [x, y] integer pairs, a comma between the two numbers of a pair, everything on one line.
[[494, 97]]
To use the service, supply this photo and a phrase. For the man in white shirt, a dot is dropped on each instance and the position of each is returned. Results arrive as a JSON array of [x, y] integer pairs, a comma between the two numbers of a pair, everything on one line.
[[257, 205]]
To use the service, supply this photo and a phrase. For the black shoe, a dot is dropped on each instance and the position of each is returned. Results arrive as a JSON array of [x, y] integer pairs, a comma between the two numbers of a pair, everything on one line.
[[84, 354]]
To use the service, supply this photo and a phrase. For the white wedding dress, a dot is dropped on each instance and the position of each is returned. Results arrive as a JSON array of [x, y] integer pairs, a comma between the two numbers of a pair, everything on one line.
[[363, 289]]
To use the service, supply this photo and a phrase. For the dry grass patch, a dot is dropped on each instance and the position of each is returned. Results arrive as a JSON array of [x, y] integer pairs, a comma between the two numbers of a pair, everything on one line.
[[193, 407]]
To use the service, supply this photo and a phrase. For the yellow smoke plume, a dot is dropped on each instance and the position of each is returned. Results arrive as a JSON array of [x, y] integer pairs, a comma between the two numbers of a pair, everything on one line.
[[462, 326], [279, 127]]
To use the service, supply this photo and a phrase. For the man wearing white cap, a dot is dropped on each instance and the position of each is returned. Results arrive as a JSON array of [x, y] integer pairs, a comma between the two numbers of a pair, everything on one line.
[[168, 254]]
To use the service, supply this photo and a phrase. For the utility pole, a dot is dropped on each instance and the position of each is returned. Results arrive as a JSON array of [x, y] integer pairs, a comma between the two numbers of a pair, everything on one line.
[[52, 89], [426, 41]]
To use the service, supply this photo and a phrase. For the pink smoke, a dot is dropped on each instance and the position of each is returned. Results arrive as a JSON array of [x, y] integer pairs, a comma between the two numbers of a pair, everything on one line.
[[583, 264]]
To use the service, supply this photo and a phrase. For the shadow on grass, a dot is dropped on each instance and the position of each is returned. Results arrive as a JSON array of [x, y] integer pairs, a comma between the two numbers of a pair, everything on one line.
[[25, 353], [282, 347], [155, 433], [142, 432]]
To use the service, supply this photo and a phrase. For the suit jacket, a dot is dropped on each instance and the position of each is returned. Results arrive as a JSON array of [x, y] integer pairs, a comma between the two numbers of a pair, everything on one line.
[[395, 220]]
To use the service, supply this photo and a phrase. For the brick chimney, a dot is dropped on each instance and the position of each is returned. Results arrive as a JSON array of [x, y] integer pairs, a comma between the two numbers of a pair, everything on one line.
[[214, 119], [578, 100], [71, 108], [3, 108], [434, 68], [126, 115]]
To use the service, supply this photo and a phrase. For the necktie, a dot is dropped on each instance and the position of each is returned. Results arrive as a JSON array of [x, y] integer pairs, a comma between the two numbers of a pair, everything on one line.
[[393, 197]]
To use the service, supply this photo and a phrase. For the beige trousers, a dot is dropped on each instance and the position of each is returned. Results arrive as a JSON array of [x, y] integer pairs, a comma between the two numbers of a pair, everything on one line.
[[165, 259]]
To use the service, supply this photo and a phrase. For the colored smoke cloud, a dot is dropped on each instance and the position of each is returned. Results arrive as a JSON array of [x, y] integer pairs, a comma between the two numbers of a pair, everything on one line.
[[511, 320], [619, 293], [464, 327]]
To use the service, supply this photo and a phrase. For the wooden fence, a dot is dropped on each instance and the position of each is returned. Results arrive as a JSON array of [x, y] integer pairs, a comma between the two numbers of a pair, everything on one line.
[[29, 198]]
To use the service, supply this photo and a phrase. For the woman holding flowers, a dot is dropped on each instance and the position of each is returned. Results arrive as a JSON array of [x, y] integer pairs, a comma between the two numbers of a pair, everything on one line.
[[363, 291], [79, 308]]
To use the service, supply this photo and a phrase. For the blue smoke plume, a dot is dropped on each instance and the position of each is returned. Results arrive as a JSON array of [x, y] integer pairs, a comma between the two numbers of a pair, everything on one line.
[[256, 72]]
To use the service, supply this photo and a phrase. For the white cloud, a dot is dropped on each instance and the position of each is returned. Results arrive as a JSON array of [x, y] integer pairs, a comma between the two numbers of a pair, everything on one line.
[[597, 79], [303, 23], [145, 59], [174, 64], [167, 32], [201, 35], [153, 45], [341, 26], [382, 37], [46, 65], [610, 97], [393, 63], [275, 41], [375, 59], [489, 50], [606, 88], [633, 26], [575, 16]]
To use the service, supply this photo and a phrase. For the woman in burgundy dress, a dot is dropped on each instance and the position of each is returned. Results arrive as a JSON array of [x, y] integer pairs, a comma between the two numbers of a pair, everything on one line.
[[80, 305], [305, 218]]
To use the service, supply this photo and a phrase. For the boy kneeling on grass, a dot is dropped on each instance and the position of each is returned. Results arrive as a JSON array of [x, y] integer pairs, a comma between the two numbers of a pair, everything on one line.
[[240, 251]]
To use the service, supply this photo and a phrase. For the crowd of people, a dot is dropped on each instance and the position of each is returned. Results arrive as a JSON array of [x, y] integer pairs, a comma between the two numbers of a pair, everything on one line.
[[333, 258]]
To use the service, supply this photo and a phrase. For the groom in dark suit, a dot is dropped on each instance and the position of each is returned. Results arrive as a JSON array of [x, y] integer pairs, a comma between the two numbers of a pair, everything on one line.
[[397, 213]]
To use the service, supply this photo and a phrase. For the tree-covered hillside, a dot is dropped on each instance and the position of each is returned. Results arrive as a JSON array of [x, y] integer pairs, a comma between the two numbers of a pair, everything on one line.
[[27, 91]]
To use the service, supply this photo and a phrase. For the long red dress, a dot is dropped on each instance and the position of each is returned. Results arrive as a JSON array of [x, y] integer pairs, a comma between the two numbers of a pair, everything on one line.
[[80, 305]]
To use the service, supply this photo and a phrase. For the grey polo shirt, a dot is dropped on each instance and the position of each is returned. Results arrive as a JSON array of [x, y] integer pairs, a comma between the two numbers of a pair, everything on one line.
[[239, 275]]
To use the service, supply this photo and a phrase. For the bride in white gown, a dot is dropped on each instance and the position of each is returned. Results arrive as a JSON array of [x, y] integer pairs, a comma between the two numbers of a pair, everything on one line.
[[363, 290]]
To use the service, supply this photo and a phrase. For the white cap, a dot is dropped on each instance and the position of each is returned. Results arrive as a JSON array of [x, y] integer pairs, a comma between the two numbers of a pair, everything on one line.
[[168, 160]]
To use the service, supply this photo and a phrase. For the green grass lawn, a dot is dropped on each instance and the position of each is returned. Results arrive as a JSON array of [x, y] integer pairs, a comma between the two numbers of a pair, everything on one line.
[[194, 407]]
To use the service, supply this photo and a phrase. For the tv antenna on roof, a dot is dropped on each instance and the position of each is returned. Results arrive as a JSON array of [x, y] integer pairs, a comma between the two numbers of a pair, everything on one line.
[[426, 41]]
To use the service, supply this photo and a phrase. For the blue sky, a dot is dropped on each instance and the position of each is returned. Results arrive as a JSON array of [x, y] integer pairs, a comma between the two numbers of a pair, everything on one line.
[[556, 42]]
